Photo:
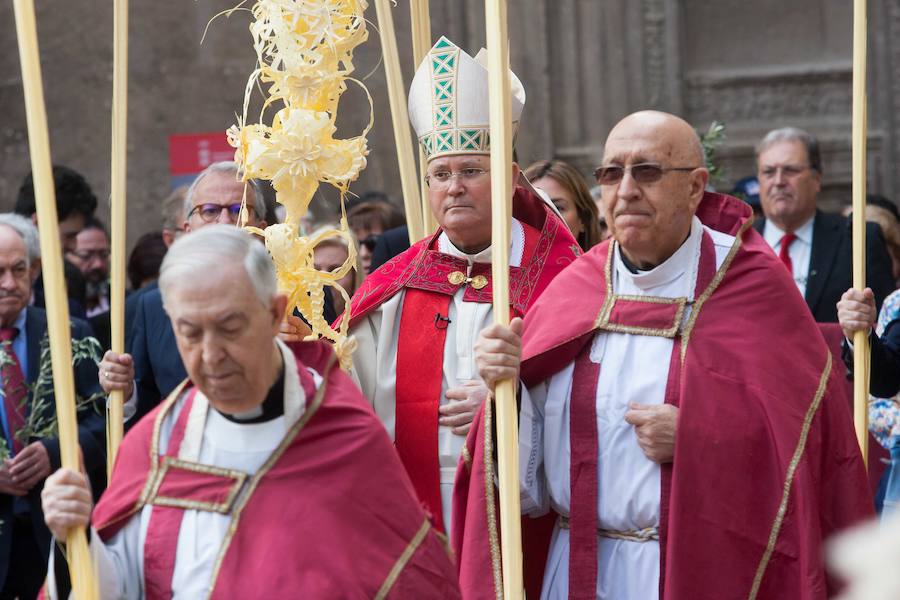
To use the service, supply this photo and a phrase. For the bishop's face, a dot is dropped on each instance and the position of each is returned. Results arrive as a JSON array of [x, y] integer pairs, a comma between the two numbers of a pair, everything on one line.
[[459, 192]]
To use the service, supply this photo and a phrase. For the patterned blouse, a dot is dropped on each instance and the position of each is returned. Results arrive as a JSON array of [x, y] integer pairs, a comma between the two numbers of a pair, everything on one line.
[[884, 413]]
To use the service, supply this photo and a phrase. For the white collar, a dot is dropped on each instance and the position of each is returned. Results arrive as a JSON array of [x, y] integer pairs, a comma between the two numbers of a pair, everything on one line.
[[773, 234], [670, 269], [294, 407], [516, 247]]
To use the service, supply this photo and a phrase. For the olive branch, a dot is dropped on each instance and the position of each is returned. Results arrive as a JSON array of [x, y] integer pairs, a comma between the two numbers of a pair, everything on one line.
[[40, 422], [711, 140]]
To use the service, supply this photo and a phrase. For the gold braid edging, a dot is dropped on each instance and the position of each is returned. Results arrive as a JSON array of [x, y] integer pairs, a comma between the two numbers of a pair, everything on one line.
[[467, 458], [403, 560], [789, 478], [493, 536], [266, 467], [153, 473]]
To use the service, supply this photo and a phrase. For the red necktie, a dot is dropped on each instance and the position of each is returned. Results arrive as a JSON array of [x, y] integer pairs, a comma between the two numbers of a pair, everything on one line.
[[14, 391], [786, 242]]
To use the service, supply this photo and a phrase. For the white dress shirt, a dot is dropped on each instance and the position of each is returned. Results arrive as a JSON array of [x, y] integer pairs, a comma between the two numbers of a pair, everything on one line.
[[800, 249]]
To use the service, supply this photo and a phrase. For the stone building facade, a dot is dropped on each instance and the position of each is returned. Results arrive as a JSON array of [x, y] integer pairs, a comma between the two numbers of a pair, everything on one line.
[[752, 65]]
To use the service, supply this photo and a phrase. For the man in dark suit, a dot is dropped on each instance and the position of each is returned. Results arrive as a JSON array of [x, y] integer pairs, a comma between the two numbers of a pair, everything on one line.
[[24, 538], [153, 368], [815, 246]]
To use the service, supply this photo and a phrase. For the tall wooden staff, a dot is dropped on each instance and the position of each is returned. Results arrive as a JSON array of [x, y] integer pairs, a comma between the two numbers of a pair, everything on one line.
[[860, 125], [400, 120], [420, 21], [83, 581], [115, 415], [501, 215]]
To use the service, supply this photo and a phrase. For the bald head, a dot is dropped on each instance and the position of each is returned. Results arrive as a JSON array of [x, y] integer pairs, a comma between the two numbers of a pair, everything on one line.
[[650, 210], [672, 136]]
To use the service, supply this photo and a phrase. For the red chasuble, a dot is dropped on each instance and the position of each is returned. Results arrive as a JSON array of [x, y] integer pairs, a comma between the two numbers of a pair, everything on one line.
[[766, 463], [430, 279], [330, 515]]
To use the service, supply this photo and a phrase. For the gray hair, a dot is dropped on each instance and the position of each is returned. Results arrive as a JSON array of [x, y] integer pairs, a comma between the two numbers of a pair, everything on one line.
[[212, 248], [26, 230], [227, 167], [794, 134]]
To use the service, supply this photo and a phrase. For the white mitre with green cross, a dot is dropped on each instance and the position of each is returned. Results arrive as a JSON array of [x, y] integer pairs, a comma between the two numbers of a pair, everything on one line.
[[448, 101]]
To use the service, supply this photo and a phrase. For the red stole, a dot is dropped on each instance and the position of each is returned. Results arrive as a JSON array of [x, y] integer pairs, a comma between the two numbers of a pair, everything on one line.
[[183, 485], [420, 358], [335, 480], [637, 315]]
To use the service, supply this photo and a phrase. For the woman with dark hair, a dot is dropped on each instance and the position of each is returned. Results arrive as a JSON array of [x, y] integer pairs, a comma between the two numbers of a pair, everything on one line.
[[569, 193], [145, 259]]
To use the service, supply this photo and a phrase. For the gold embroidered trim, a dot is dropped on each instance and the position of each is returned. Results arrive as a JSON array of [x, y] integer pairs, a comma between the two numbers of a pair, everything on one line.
[[493, 536], [401, 562], [717, 279], [294, 431], [467, 458], [223, 507], [789, 478], [608, 300], [668, 332], [609, 303], [154, 454]]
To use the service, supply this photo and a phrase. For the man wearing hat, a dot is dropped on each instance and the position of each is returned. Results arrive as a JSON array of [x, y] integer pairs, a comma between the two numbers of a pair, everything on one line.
[[417, 317]]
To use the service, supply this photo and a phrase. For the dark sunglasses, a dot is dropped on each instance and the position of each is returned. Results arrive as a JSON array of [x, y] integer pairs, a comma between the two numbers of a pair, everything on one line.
[[642, 173], [209, 212], [370, 242]]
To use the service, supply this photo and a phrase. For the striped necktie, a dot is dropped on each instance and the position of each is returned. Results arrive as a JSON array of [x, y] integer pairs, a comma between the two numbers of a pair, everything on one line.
[[14, 390]]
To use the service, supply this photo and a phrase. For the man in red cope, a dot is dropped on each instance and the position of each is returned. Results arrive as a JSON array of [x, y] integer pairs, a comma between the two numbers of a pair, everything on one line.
[[265, 474], [417, 317], [682, 418]]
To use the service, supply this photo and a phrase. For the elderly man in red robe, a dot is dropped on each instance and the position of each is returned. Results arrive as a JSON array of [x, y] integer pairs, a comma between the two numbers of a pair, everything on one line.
[[681, 418], [417, 317], [265, 474]]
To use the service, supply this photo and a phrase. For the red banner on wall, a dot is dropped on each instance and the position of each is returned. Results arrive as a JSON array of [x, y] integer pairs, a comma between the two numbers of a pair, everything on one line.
[[190, 153]]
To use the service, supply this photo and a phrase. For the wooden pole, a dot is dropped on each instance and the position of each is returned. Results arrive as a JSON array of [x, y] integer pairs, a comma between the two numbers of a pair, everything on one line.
[[400, 120], [860, 126], [115, 423], [501, 215], [420, 20], [83, 581]]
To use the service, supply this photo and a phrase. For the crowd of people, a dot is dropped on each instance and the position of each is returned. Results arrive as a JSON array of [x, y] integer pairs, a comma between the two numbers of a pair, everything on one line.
[[682, 359]]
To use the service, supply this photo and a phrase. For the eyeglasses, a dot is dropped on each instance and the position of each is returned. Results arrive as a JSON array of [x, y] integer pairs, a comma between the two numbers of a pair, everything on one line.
[[788, 171], [642, 173], [86, 255], [442, 178], [210, 212]]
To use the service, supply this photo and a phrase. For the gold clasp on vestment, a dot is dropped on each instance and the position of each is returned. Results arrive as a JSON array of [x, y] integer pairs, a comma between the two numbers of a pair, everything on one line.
[[459, 278]]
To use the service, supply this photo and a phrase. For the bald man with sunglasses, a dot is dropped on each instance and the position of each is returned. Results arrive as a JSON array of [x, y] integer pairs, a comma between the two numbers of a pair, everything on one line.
[[681, 419]]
